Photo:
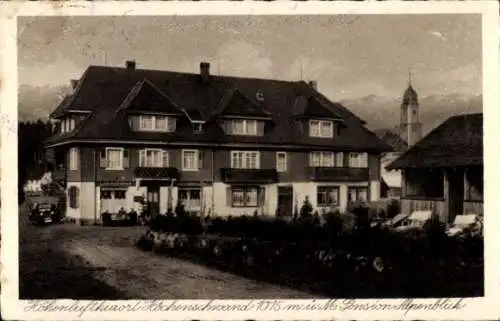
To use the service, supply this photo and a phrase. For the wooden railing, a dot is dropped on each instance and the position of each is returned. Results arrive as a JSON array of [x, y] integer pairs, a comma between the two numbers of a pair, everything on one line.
[[338, 174]]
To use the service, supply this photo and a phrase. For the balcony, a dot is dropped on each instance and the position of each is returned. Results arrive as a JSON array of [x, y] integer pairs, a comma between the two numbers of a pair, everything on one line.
[[157, 172], [240, 175], [338, 174]]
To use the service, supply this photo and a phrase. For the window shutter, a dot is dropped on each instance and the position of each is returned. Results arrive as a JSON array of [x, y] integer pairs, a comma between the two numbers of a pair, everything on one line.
[[165, 158], [77, 197], [228, 197], [339, 159], [262, 196], [142, 158], [102, 161], [126, 158], [200, 159], [171, 124]]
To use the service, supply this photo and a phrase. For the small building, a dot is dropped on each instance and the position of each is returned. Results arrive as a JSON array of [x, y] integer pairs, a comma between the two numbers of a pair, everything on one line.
[[219, 145], [390, 186], [443, 172]]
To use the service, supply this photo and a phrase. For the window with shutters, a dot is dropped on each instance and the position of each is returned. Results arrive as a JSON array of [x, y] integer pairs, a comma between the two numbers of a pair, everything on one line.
[[73, 197], [73, 159], [192, 159], [190, 198], [246, 196], [114, 158], [152, 157], [358, 160], [245, 159], [281, 161], [321, 128], [326, 159], [156, 123], [244, 127]]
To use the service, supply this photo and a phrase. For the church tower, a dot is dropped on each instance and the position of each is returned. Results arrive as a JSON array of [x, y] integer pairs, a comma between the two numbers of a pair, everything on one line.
[[410, 128]]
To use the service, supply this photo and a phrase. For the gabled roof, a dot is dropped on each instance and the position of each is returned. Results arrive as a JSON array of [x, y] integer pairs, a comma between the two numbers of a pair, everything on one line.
[[146, 97], [235, 103], [391, 138], [311, 107], [456, 142], [102, 90]]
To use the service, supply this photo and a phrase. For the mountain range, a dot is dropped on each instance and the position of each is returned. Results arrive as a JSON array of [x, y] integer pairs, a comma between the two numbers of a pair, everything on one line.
[[379, 112]]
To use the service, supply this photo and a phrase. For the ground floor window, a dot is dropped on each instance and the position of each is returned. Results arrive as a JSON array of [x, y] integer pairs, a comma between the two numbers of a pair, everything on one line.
[[475, 182], [245, 196], [190, 198], [73, 196], [357, 193], [328, 196], [113, 200]]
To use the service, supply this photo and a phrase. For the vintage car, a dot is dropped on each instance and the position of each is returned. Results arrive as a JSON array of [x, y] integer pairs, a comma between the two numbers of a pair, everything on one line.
[[463, 225], [44, 210]]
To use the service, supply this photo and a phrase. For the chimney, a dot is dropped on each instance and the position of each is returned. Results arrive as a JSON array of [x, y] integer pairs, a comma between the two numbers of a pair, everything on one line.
[[204, 71], [313, 84], [130, 64], [74, 83]]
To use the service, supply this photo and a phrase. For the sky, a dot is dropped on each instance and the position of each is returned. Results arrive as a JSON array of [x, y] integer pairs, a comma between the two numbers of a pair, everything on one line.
[[349, 56]]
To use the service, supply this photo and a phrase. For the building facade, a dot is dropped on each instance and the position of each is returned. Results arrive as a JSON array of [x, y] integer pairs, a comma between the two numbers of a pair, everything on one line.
[[444, 171], [220, 145]]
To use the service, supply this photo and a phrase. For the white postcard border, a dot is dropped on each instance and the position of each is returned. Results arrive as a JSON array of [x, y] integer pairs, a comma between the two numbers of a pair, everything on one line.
[[474, 309]]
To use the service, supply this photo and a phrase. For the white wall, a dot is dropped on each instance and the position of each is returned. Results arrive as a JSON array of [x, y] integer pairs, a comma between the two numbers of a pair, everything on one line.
[[87, 201], [374, 191]]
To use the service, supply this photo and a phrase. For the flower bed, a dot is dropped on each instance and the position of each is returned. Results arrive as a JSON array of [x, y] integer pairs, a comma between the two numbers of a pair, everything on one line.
[[325, 256]]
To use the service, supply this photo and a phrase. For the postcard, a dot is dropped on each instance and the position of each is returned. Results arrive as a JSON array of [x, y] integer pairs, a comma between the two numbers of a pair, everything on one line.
[[250, 160]]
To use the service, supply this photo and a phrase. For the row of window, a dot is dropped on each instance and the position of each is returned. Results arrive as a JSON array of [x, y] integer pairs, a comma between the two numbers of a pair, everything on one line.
[[317, 128], [238, 196], [327, 196], [117, 158], [249, 127]]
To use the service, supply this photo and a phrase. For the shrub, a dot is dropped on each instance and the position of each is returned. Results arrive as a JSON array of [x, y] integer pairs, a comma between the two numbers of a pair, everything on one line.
[[393, 208], [133, 218], [361, 212], [333, 223], [306, 209], [106, 219]]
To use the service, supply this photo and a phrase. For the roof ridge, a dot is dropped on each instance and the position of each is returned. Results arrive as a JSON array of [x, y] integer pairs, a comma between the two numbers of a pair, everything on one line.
[[197, 74]]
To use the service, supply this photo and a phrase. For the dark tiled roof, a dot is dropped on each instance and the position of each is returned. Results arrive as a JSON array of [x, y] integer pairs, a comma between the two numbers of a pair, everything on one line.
[[456, 142], [102, 90], [145, 97], [194, 114], [312, 107], [391, 138], [237, 104]]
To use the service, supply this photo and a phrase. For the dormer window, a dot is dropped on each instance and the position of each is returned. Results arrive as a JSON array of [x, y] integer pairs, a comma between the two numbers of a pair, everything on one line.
[[156, 123], [67, 125], [321, 128], [197, 128], [244, 127]]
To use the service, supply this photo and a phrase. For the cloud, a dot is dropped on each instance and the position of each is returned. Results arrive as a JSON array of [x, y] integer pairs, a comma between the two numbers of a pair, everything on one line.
[[239, 58], [438, 35]]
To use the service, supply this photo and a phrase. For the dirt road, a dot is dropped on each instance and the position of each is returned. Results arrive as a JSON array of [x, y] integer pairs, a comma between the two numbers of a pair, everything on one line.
[[68, 261]]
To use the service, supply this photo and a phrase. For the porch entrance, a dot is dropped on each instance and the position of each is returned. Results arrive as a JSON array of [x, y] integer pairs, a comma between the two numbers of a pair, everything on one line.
[[153, 199], [455, 193], [285, 201]]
